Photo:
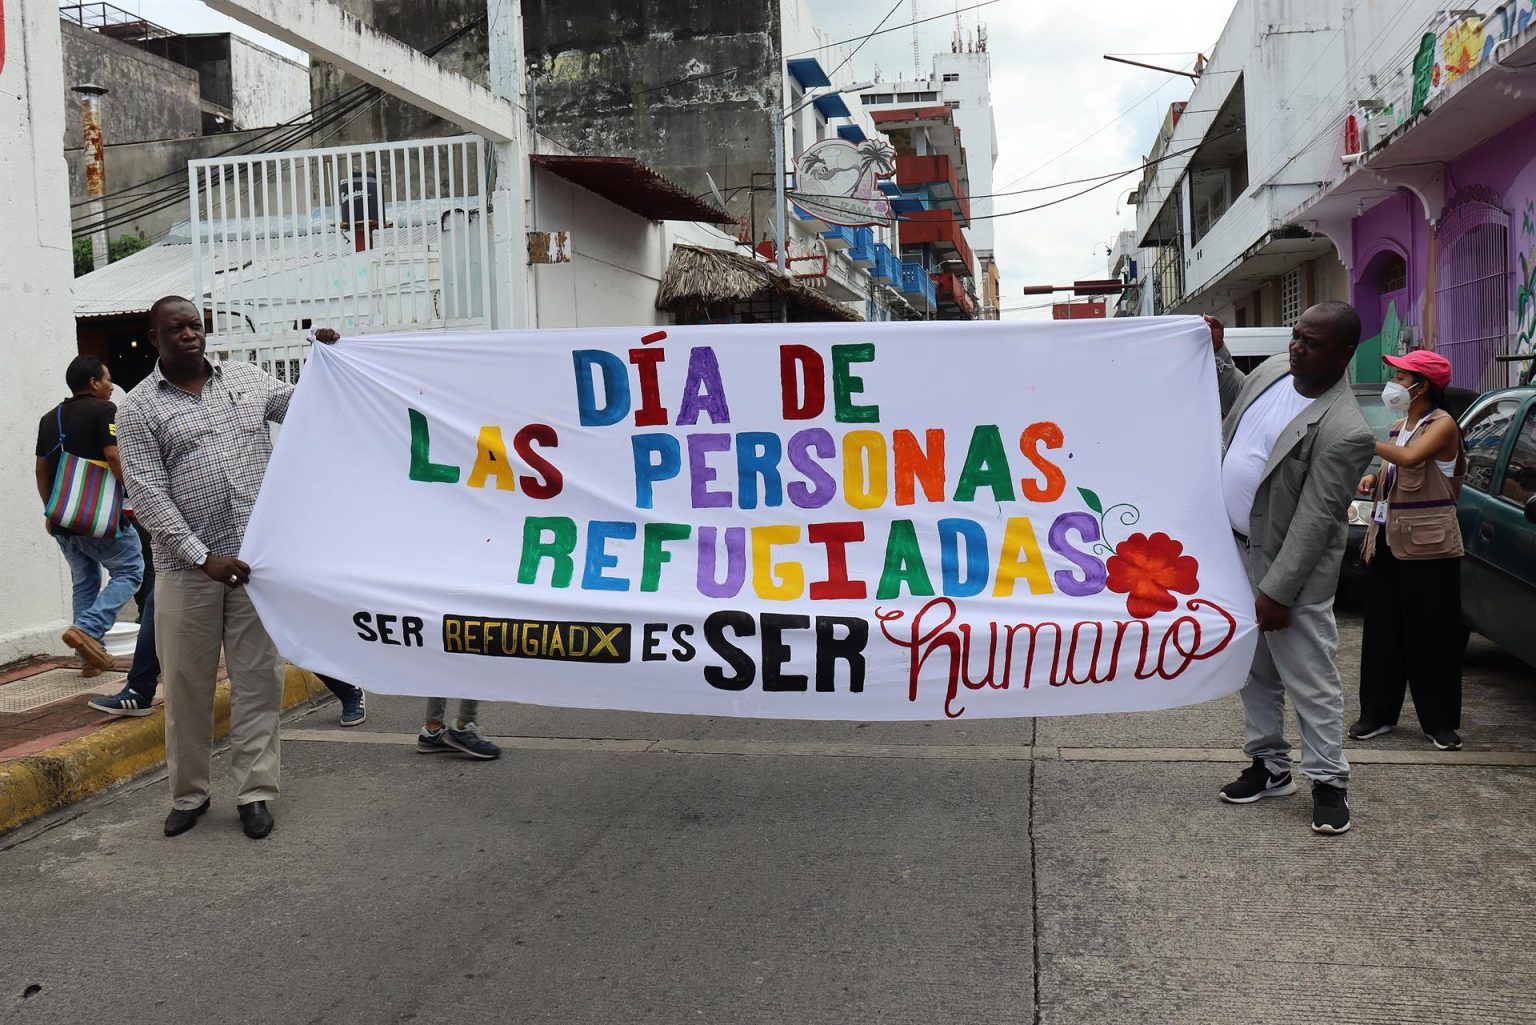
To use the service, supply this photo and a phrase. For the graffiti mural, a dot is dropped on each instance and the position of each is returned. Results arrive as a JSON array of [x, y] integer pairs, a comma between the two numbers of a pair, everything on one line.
[[1525, 286], [1461, 48], [1445, 56], [1506, 21]]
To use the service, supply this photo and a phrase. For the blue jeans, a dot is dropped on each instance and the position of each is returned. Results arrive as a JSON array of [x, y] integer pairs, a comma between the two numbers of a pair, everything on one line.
[[144, 674], [96, 607]]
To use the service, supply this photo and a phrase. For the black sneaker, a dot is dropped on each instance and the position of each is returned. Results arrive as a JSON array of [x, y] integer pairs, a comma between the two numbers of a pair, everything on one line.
[[432, 742], [1330, 808], [468, 740], [1363, 730], [354, 708], [126, 702], [1445, 740], [1257, 782]]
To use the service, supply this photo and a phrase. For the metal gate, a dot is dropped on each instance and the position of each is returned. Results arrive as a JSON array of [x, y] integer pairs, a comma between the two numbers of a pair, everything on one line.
[[363, 239], [1472, 295]]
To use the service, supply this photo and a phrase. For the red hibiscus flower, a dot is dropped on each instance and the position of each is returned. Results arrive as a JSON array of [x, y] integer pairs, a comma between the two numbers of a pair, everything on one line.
[[1148, 570]]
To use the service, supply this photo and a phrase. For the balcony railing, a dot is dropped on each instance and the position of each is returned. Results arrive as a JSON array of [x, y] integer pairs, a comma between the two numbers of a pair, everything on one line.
[[950, 289], [938, 176], [917, 286], [940, 229], [862, 252], [887, 267], [838, 237]]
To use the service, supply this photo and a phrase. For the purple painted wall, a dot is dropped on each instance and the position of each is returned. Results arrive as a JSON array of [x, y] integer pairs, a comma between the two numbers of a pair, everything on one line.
[[1505, 166]]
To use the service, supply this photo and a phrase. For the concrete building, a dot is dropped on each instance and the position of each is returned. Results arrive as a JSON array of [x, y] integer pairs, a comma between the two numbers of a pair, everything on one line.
[[1123, 267], [1432, 198], [1233, 159], [962, 81], [932, 201], [35, 273], [173, 85], [151, 98], [692, 92], [170, 97], [1348, 149]]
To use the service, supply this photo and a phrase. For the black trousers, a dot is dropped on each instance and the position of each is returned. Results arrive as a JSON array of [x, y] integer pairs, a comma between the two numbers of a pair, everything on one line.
[[1412, 640]]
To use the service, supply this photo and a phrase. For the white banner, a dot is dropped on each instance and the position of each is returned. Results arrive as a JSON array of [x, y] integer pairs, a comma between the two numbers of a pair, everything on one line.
[[895, 521]]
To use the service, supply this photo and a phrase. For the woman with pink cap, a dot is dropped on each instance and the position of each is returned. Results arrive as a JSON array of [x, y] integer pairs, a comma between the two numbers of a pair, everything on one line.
[[1413, 551]]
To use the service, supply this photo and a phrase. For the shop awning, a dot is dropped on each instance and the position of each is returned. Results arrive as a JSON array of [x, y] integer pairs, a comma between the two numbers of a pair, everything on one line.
[[626, 182], [832, 105], [808, 72]]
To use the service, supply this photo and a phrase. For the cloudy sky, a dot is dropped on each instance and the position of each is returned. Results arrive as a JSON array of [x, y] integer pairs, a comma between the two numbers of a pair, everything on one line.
[[1062, 111]]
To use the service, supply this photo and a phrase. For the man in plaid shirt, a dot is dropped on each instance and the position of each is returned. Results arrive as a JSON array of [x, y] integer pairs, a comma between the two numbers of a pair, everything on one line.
[[194, 441]]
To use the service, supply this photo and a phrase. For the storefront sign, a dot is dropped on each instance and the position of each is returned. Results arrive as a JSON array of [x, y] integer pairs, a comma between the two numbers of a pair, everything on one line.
[[837, 181]]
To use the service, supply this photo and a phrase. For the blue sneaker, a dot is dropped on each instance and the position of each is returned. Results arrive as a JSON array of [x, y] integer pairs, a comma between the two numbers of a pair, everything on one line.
[[469, 741], [432, 742], [354, 708], [125, 702]]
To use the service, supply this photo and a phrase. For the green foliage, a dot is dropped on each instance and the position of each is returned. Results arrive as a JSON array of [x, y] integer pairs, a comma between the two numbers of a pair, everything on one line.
[[123, 245]]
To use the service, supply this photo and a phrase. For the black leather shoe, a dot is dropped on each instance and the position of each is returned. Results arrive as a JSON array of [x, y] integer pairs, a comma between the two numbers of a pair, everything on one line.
[[181, 820], [256, 819]]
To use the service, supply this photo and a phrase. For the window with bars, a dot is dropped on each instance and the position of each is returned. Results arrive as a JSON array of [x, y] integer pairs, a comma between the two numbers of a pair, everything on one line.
[[1394, 274], [1471, 296], [1290, 297]]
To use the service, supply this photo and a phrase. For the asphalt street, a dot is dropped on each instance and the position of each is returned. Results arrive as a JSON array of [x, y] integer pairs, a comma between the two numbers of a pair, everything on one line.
[[619, 868]]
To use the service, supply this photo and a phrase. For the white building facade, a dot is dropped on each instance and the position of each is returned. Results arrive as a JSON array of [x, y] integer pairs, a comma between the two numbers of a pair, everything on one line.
[[1261, 132], [35, 272]]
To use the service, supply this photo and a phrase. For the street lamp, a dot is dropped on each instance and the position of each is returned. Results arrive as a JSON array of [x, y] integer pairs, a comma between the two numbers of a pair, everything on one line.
[[778, 157]]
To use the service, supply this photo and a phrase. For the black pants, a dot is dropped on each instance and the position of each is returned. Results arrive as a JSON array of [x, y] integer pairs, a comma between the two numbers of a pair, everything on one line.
[[344, 690], [1412, 640], [148, 586]]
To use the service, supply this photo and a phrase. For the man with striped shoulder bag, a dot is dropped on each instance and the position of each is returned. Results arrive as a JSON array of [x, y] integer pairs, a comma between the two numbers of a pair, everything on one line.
[[79, 480]]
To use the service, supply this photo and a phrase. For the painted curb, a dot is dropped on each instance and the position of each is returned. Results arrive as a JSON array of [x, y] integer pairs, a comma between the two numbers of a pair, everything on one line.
[[48, 780]]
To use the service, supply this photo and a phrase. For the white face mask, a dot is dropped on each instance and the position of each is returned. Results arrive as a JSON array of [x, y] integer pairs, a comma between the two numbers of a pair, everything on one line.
[[1396, 397]]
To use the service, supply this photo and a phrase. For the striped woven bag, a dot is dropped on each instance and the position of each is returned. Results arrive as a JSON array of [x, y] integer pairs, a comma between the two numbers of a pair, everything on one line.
[[86, 498]]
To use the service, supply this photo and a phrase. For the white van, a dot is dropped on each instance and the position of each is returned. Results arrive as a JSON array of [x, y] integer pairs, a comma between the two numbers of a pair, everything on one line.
[[1251, 346]]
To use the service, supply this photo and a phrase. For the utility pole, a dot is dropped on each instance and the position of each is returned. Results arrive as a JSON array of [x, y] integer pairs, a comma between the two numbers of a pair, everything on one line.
[[510, 166], [95, 169]]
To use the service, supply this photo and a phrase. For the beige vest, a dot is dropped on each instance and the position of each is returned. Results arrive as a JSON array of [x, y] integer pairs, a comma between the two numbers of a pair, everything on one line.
[[1421, 510]]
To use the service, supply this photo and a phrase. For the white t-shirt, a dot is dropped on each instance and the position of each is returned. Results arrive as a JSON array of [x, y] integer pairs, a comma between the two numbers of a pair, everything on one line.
[[1252, 444]]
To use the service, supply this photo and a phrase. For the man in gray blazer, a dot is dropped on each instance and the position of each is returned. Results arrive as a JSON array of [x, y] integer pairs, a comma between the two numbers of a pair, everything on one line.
[[1295, 445]]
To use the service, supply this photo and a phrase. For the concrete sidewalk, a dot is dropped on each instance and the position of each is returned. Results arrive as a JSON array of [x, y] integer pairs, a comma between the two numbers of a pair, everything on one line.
[[55, 749]]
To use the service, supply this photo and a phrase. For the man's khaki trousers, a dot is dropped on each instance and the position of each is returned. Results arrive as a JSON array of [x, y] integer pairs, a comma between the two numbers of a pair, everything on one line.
[[194, 616]]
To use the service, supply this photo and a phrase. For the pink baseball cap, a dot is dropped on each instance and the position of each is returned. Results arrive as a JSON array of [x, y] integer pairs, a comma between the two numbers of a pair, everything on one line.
[[1434, 368]]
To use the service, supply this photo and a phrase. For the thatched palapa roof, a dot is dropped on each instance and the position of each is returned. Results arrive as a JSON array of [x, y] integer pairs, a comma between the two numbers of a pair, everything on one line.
[[698, 277]]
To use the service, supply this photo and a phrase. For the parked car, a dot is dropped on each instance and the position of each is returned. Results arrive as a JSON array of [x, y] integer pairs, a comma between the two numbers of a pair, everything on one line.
[[1497, 511], [1381, 419]]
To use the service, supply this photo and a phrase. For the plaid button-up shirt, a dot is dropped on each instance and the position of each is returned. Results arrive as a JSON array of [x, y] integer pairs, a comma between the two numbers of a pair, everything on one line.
[[194, 463]]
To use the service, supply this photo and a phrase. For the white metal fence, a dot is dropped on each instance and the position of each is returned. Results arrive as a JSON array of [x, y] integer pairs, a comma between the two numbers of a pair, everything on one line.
[[363, 239]]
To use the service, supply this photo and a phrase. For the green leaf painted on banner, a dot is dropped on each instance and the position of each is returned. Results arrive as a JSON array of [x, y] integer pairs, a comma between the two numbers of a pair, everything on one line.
[[1092, 500]]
